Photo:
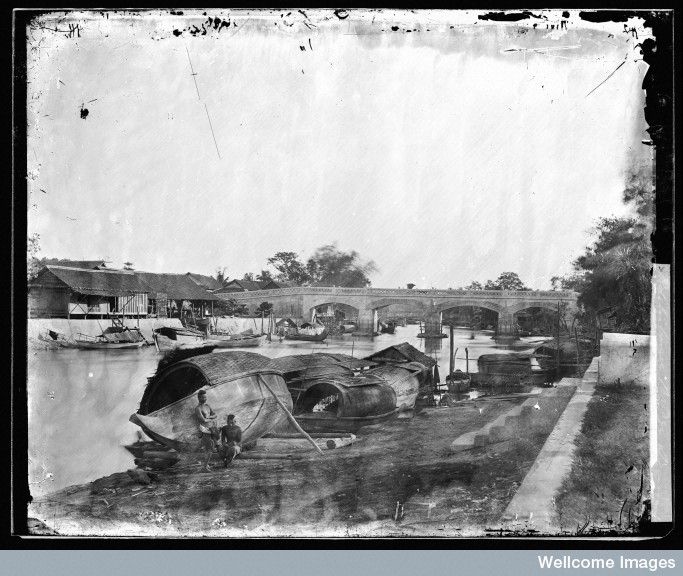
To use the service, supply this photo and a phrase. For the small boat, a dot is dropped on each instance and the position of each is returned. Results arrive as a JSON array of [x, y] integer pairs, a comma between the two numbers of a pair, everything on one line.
[[235, 340], [235, 383], [388, 327], [345, 404], [167, 337], [113, 338], [403, 379], [459, 382], [308, 333], [348, 327]]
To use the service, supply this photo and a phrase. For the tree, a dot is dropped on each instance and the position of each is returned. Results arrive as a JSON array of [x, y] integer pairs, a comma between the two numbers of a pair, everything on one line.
[[232, 307], [127, 265], [616, 272], [506, 281], [33, 263], [248, 276], [220, 275], [329, 266], [474, 285], [290, 268], [264, 276], [264, 307]]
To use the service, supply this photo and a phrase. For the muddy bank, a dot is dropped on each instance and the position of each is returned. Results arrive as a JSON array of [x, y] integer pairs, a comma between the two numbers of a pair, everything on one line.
[[398, 478]]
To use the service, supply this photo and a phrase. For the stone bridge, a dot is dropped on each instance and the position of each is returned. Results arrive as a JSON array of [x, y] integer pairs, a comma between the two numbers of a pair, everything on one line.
[[300, 303]]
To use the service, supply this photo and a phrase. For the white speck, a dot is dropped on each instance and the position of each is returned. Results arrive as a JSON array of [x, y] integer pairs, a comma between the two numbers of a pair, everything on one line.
[[89, 374]]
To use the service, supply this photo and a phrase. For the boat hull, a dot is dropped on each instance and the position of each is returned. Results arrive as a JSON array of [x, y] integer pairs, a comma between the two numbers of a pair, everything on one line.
[[322, 422], [307, 337], [232, 342], [182, 340], [105, 345], [246, 396]]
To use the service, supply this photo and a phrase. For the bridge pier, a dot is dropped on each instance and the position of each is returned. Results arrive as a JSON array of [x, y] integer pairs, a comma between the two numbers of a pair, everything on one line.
[[367, 323], [433, 324], [507, 326]]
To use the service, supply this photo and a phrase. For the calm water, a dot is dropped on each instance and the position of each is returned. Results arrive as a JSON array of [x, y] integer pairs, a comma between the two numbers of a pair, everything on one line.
[[79, 401]]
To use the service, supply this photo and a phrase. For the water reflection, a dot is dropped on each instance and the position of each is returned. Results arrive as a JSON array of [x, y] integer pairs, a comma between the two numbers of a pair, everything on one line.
[[79, 401]]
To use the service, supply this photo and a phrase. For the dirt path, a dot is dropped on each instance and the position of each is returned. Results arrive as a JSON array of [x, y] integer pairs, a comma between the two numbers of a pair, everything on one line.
[[398, 479]]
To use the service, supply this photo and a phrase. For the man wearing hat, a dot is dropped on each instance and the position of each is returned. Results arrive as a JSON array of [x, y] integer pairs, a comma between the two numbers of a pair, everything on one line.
[[231, 441], [207, 426]]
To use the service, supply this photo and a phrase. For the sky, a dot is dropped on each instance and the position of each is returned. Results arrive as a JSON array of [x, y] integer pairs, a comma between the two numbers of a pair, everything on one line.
[[446, 150]]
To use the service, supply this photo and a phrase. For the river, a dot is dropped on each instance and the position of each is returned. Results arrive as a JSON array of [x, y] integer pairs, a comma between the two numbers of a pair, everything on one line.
[[79, 401]]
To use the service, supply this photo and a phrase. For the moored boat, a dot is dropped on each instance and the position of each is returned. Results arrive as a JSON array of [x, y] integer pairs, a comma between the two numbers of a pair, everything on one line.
[[403, 379], [308, 333], [235, 383], [515, 368], [459, 382], [345, 404], [167, 337], [388, 327], [235, 340], [112, 338]]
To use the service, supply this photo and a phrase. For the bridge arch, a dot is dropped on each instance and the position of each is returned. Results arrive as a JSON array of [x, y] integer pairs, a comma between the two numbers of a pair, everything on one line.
[[343, 307], [448, 304], [547, 304], [414, 305]]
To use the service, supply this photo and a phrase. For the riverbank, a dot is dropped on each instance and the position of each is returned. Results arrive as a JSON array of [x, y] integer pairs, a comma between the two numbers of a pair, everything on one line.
[[399, 478]]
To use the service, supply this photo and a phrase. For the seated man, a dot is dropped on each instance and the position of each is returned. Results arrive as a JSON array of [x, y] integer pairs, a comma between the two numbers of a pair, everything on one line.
[[231, 441]]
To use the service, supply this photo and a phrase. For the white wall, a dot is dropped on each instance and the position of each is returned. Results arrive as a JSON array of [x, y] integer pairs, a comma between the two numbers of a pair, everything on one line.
[[625, 357], [147, 325]]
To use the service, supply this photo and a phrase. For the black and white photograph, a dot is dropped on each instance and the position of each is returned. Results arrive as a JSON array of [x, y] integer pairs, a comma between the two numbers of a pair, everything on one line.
[[347, 273]]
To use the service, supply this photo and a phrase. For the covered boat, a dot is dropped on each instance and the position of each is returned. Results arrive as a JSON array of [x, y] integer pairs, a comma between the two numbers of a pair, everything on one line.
[[235, 383], [403, 379], [308, 333], [388, 327], [515, 368], [345, 403], [301, 370], [407, 355]]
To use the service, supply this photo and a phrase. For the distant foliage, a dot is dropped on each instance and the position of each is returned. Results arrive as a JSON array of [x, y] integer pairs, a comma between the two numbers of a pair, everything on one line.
[[506, 281], [330, 266], [290, 268]]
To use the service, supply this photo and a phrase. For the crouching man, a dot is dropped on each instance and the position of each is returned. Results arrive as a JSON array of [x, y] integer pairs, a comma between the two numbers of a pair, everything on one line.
[[231, 441]]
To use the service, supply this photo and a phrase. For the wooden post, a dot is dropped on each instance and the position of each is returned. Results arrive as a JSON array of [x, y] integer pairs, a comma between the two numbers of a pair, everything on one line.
[[263, 313], [576, 340], [467, 360], [451, 355], [289, 415], [557, 359]]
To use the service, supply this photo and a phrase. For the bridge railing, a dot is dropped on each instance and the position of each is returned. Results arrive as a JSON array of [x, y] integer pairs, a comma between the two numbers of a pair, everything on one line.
[[308, 290]]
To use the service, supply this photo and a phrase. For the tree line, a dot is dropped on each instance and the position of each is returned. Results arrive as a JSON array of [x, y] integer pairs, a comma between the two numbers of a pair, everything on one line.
[[328, 266], [613, 274]]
